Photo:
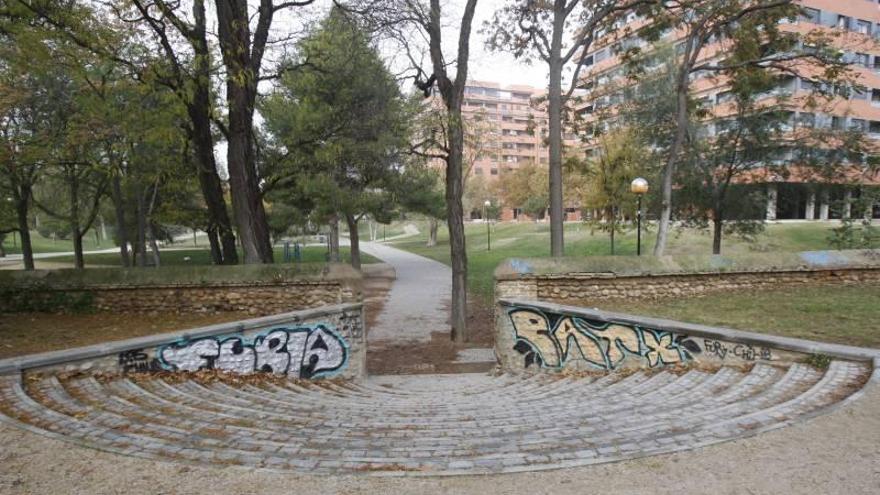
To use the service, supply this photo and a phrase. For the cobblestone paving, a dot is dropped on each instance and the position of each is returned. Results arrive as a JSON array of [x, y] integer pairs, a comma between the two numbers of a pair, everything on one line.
[[424, 424]]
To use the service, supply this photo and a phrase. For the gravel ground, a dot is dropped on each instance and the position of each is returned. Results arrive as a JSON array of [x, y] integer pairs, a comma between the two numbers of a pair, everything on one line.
[[837, 453]]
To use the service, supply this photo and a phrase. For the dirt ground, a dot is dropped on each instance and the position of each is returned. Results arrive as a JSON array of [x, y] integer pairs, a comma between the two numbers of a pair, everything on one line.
[[836, 453], [28, 333]]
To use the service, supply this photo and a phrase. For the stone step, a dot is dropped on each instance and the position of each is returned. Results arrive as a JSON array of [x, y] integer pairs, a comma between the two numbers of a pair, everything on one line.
[[424, 424]]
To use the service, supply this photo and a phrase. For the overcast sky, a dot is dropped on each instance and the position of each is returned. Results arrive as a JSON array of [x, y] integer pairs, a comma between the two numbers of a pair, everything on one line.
[[499, 67], [484, 65]]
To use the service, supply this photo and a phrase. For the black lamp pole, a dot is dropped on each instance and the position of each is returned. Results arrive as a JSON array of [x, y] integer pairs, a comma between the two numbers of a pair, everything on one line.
[[639, 228], [488, 231]]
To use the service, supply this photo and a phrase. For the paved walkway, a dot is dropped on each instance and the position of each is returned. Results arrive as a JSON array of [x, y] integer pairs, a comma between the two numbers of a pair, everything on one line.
[[425, 424], [418, 302]]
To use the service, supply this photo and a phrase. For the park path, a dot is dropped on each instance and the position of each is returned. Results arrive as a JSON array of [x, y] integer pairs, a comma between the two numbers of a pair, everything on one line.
[[418, 303]]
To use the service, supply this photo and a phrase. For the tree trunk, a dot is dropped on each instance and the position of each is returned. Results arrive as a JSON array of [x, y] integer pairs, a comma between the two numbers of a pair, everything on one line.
[[717, 225], [354, 240], [209, 179], [455, 221], [681, 123], [154, 246], [241, 90], [334, 239], [433, 226], [214, 242], [24, 231], [140, 250], [554, 97], [75, 229], [453, 97], [121, 229], [613, 225], [199, 110]]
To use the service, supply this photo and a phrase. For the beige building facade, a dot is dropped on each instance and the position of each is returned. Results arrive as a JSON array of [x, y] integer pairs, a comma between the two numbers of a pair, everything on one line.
[[855, 26]]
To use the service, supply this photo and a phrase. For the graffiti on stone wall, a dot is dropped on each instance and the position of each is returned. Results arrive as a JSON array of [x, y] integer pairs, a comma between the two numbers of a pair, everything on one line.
[[553, 340], [138, 360], [304, 352], [745, 352]]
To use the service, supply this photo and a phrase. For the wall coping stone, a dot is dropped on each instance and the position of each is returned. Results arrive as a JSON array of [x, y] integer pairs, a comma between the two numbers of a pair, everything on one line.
[[608, 267], [697, 330], [21, 363], [180, 276]]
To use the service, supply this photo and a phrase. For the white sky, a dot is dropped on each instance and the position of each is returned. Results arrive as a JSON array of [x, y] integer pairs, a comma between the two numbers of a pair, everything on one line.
[[499, 67]]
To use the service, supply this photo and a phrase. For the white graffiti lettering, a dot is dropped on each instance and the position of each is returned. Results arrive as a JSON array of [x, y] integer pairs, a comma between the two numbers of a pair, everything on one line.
[[297, 352]]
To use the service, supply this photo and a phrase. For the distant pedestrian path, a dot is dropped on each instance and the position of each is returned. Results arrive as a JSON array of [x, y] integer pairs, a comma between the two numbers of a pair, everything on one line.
[[418, 302]]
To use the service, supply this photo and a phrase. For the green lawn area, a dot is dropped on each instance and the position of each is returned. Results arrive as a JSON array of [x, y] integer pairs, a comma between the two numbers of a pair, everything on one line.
[[46, 245], [310, 254], [521, 240], [839, 314]]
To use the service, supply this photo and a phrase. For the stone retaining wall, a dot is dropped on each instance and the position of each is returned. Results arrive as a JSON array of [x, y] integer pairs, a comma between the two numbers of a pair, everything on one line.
[[329, 341], [581, 283], [544, 336], [264, 290]]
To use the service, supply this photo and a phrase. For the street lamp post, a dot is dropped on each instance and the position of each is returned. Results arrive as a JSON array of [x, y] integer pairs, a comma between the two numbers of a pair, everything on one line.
[[486, 206], [639, 187], [14, 241]]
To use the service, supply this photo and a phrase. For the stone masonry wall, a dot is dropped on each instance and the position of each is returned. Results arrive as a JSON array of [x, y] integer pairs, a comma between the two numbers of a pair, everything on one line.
[[255, 294], [584, 289]]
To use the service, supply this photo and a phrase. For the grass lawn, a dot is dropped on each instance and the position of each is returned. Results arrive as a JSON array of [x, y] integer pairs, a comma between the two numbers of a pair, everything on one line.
[[310, 254], [839, 314], [46, 245], [521, 240]]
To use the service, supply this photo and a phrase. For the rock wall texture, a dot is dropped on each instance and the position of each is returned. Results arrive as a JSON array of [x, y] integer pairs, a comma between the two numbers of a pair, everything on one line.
[[583, 283], [583, 290], [204, 291]]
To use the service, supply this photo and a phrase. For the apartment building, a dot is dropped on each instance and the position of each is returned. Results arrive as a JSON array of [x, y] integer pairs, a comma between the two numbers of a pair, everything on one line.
[[797, 194], [507, 129]]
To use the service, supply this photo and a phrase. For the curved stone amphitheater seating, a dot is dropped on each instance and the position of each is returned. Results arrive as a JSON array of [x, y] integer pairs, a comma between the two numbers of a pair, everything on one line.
[[439, 424]]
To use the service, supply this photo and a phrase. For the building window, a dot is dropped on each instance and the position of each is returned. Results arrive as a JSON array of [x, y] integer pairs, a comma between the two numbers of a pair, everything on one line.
[[806, 119], [875, 95], [863, 27], [478, 171], [874, 127], [837, 122], [863, 59], [860, 124], [810, 15], [844, 22], [493, 171], [724, 96], [859, 94]]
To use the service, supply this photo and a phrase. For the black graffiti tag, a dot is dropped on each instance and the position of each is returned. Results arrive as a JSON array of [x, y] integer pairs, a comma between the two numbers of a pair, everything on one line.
[[743, 351], [137, 360]]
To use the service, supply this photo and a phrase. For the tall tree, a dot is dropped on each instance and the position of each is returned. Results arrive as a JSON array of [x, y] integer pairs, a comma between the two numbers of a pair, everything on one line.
[[621, 157], [342, 116], [183, 43], [560, 33], [525, 188], [188, 71], [243, 58]]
